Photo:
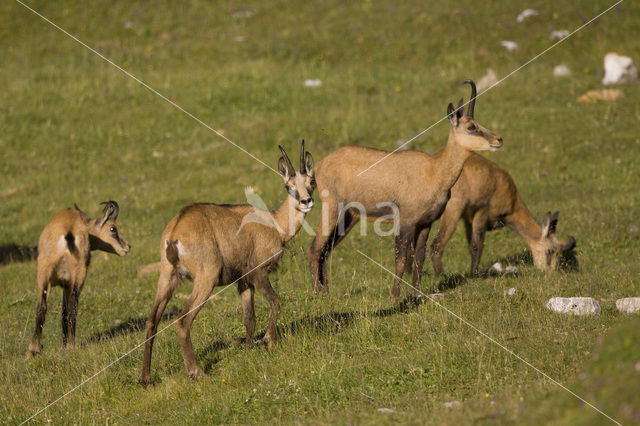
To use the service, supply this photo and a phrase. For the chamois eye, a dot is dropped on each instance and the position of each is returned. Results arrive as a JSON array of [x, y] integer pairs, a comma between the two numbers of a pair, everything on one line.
[[113, 230], [472, 128]]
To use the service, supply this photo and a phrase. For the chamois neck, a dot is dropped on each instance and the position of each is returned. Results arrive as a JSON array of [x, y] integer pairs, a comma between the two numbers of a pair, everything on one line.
[[449, 163], [288, 219], [524, 223]]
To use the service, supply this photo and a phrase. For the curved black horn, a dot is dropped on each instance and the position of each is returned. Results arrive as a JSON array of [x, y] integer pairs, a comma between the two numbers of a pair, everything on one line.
[[571, 245], [472, 101], [111, 209], [303, 169], [292, 170]]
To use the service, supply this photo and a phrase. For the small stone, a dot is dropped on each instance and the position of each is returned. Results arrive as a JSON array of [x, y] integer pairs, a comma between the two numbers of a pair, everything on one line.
[[561, 71], [558, 34], [509, 45], [511, 271], [511, 292], [403, 145], [313, 83], [495, 270], [526, 14], [453, 404], [487, 80], [632, 229], [574, 305], [638, 366], [618, 69], [385, 410], [628, 305]]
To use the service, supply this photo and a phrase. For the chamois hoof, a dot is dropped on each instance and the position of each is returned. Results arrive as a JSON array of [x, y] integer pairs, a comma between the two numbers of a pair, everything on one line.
[[144, 381], [196, 373], [34, 349], [269, 343]]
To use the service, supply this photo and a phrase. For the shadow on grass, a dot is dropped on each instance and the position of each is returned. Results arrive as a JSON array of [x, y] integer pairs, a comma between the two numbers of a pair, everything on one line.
[[13, 253], [131, 325]]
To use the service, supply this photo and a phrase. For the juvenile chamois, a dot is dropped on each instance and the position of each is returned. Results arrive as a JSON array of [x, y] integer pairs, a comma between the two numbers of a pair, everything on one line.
[[215, 245], [415, 183], [64, 253], [486, 197]]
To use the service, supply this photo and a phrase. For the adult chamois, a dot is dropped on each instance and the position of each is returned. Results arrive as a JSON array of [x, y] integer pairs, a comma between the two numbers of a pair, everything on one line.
[[220, 244], [486, 197], [410, 185], [64, 253]]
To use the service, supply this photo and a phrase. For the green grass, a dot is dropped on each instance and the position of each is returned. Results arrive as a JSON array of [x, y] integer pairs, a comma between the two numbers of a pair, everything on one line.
[[74, 129]]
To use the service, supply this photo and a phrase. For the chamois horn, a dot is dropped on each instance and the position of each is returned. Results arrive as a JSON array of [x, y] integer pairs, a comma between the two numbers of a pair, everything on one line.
[[472, 101], [292, 170]]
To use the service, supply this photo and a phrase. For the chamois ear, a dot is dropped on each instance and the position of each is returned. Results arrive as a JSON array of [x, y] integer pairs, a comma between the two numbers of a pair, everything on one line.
[[285, 167], [85, 218], [452, 115], [549, 224], [459, 111], [308, 164]]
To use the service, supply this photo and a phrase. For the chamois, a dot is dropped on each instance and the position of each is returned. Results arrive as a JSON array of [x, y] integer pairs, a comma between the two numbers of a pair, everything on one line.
[[64, 253], [216, 245], [416, 183], [486, 197]]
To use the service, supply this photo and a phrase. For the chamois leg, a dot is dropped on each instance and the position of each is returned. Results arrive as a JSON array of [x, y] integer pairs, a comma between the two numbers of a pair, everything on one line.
[[448, 223], [261, 282], [479, 229], [166, 284], [203, 284], [319, 249], [44, 288], [69, 315], [246, 295], [420, 247], [403, 240]]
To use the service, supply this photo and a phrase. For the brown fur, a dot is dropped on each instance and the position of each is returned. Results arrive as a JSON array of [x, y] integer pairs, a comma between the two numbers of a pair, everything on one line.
[[64, 252], [486, 198], [416, 182], [214, 245]]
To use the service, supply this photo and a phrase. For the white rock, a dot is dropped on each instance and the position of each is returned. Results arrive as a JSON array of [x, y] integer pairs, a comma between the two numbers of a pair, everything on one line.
[[561, 71], [525, 14], [574, 305], [511, 270], [628, 305], [511, 292], [495, 270], [558, 34], [313, 83], [509, 45], [618, 69], [487, 80], [403, 145], [385, 410], [453, 404]]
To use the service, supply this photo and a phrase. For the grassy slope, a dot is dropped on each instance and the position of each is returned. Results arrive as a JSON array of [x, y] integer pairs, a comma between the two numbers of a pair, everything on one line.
[[77, 130]]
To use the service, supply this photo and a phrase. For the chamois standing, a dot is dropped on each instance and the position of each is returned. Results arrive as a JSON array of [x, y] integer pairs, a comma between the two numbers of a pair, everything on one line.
[[64, 253], [416, 183], [215, 245], [486, 198]]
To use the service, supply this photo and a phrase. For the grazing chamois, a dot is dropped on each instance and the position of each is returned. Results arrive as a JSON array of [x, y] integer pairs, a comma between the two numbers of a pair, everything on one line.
[[64, 253], [415, 183], [220, 244], [486, 197]]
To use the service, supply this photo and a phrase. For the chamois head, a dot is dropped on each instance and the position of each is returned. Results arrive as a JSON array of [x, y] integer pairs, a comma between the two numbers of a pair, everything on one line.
[[548, 249], [103, 232], [299, 185], [467, 132]]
